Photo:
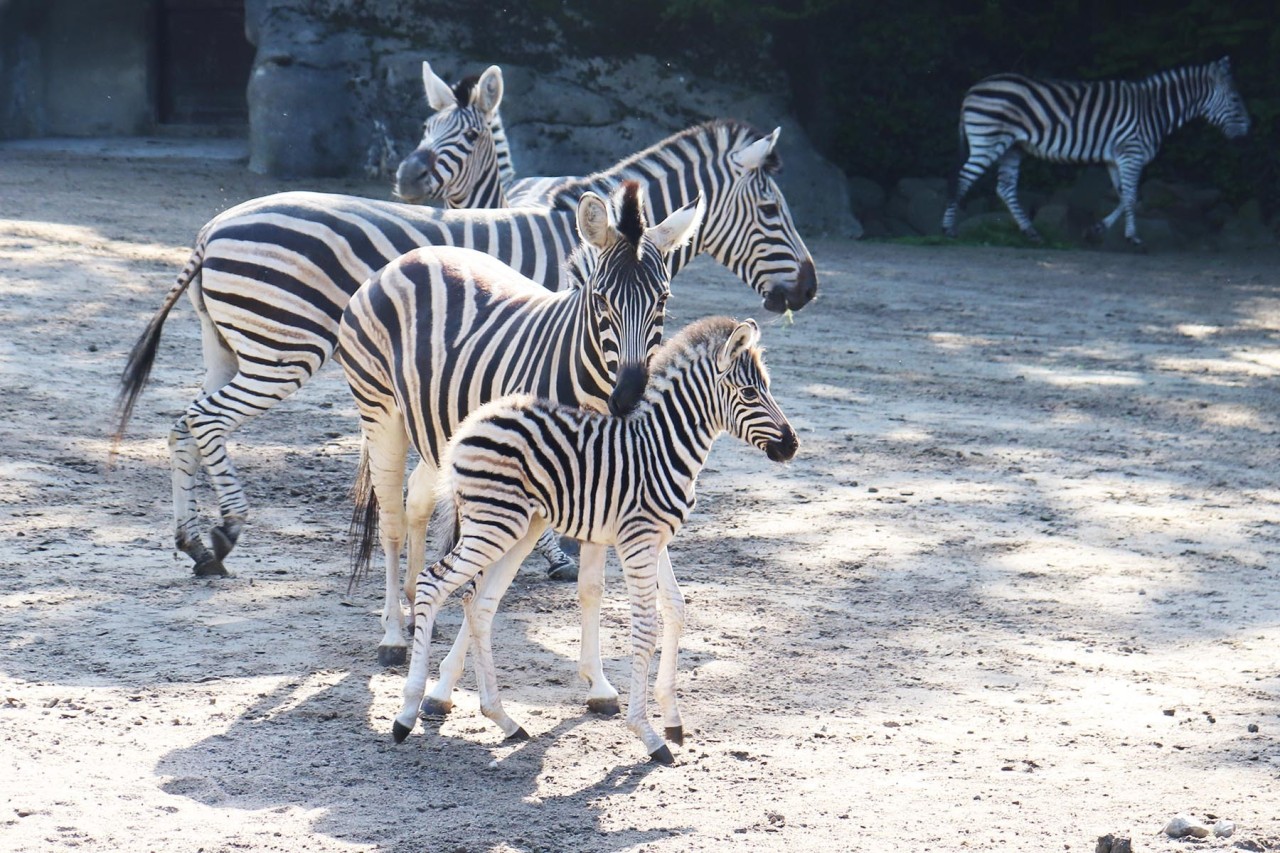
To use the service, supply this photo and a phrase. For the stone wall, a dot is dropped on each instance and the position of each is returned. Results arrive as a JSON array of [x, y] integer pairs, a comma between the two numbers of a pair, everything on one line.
[[337, 83]]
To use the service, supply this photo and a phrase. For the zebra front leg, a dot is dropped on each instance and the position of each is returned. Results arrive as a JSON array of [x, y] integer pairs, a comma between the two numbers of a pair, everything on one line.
[[664, 689], [495, 583], [468, 559], [1007, 189], [602, 697], [184, 460], [640, 568], [480, 605]]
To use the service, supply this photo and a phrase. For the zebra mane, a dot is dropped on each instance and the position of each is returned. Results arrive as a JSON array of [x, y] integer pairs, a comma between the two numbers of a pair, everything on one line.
[[466, 89], [724, 134], [698, 340]]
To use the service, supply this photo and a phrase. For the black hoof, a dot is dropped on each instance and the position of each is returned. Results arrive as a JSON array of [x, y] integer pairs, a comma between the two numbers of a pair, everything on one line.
[[604, 707], [564, 571], [400, 731], [675, 734], [662, 755], [209, 566], [223, 538], [516, 736], [433, 710], [1033, 235], [392, 655]]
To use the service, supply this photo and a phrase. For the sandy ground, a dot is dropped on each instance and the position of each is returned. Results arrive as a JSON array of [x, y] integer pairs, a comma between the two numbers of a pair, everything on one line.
[[1018, 590]]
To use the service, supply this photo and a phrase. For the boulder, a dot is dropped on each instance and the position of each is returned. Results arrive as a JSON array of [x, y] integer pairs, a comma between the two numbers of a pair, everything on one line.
[[920, 203]]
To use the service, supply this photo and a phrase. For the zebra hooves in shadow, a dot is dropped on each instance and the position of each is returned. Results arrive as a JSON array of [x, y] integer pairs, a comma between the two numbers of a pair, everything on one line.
[[209, 566], [400, 731], [662, 755], [516, 736], [224, 537], [433, 710], [604, 707], [563, 570], [675, 734], [1033, 235], [392, 655]]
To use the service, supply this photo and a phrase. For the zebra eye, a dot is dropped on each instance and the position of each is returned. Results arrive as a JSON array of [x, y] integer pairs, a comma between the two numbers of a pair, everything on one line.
[[769, 209], [750, 394], [471, 135], [601, 303]]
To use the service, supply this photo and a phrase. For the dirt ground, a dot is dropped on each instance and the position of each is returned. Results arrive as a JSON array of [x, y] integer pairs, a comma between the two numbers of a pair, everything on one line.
[[1018, 589]]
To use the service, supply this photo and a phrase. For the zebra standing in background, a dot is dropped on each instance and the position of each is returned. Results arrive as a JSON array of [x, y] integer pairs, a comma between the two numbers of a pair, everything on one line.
[[521, 464], [439, 331], [463, 157], [1114, 122], [270, 278]]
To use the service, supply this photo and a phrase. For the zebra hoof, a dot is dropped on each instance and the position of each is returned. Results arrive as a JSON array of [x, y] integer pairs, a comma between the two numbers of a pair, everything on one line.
[[516, 736], [400, 731], [433, 710], [1033, 235], [223, 537], [209, 566], [604, 707], [392, 655], [563, 571], [662, 755], [675, 734]]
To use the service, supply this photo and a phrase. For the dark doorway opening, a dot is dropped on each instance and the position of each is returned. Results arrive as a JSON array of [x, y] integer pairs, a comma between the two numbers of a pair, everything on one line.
[[204, 62]]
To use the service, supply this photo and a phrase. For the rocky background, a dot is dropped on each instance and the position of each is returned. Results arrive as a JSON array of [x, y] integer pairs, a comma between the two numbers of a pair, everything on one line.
[[339, 82]]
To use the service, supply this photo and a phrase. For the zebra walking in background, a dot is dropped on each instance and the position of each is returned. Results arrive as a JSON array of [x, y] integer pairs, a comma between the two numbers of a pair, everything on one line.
[[463, 157], [270, 278], [439, 331], [521, 464], [1114, 122]]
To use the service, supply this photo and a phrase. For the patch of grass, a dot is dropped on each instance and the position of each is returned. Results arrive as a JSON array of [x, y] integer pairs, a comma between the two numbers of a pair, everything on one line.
[[988, 234]]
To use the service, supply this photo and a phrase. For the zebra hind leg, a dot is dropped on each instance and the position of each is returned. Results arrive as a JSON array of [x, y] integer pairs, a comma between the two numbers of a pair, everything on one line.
[[602, 697], [1007, 189], [561, 566], [184, 459]]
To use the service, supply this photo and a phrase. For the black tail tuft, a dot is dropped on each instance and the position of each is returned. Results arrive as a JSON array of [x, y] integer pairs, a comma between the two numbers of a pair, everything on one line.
[[364, 520]]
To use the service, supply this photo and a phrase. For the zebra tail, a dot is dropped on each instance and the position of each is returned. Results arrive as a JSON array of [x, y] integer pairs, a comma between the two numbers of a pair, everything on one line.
[[364, 520], [143, 355]]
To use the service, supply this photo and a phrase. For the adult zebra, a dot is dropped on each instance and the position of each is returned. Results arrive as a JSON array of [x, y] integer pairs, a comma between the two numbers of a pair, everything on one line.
[[437, 332], [463, 157], [1114, 122], [520, 464], [270, 278]]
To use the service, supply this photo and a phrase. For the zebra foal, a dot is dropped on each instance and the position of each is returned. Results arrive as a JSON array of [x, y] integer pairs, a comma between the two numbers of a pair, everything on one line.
[[440, 331], [1115, 122], [520, 464]]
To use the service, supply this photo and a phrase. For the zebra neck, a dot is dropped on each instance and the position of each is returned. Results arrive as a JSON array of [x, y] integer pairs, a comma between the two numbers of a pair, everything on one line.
[[502, 150], [485, 195], [682, 417], [1177, 97]]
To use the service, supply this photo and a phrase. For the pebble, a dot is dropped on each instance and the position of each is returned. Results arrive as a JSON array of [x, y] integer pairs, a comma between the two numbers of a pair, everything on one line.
[[1253, 728], [1181, 826], [1224, 828]]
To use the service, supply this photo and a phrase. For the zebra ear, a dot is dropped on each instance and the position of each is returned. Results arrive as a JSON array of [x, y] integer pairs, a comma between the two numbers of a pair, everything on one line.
[[489, 90], [593, 220], [1224, 65], [678, 228], [755, 154], [439, 95], [744, 336]]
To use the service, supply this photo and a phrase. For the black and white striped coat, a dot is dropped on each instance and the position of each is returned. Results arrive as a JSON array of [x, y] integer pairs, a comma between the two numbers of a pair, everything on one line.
[[519, 464], [440, 331], [270, 278], [1119, 123]]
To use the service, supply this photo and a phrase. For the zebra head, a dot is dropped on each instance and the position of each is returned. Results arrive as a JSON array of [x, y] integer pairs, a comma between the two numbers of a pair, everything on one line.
[[751, 413], [1225, 108], [749, 229], [456, 158], [626, 282]]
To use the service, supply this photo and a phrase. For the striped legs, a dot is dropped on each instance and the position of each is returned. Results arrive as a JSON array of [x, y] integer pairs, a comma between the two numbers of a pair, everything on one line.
[[975, 166], [664, 689], [1007, 189], [1124, 173], [602, 697], [640, 568]]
